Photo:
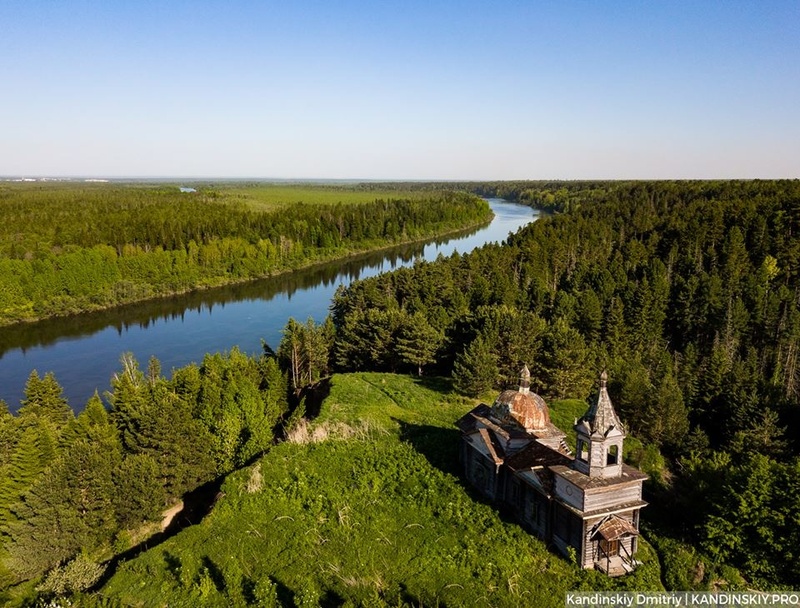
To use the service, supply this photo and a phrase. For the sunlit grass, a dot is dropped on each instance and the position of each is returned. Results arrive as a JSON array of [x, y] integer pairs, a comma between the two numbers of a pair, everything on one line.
[[267, 197], [379, 516]]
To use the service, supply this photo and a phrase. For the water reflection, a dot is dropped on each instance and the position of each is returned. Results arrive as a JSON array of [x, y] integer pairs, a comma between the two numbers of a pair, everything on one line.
[[83, 351], [145, 314]]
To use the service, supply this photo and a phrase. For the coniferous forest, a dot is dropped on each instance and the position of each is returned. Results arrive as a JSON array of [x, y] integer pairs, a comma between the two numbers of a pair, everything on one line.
[[685, 292], [69, 248]]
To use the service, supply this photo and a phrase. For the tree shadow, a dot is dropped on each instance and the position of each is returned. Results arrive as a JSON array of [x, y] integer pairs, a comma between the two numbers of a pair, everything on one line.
[[438, 445], [283, 593], [216, 575], [439, 384], [196, 505], [173, 564], [331, 599], [315, 395]]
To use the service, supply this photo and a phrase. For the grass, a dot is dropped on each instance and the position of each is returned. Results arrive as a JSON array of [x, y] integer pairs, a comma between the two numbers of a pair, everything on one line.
[[257, 196], [380, 517], [267, 197]]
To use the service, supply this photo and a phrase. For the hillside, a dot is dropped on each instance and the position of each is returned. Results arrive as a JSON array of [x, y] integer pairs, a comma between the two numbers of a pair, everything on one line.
[[364, 507]]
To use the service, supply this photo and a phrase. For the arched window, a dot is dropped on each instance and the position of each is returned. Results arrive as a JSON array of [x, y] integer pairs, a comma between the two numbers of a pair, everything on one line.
[[583, 450], [612, 456]]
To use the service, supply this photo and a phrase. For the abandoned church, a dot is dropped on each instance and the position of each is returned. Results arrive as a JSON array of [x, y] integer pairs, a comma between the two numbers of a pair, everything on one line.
[[588, 503]]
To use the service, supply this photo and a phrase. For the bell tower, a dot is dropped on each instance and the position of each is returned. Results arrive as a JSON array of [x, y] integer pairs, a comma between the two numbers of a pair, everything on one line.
[[599, 437]]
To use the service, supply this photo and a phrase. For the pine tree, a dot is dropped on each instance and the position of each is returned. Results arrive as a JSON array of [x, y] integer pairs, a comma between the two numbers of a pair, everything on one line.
[[139, 495], [418, 342], [475, 370], [68, 508], [33, 452], [669, 423], [565, 365], [44, 398]]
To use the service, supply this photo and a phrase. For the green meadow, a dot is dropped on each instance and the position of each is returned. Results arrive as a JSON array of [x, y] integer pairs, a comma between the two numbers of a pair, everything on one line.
[[267, 197], [362, 507]]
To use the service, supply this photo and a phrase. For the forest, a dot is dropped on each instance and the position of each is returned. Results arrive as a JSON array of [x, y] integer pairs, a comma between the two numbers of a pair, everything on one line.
[[70, 248], [685, 292]]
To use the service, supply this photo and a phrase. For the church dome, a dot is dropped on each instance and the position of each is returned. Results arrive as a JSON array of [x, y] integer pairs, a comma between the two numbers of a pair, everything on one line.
[[521, 406]]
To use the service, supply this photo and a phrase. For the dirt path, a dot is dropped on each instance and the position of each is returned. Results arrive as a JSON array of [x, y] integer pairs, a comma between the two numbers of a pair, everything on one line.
[[169, 515]]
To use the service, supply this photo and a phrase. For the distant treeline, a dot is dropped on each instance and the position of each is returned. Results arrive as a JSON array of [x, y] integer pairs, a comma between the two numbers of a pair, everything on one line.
[[686, 292], [66, 249]]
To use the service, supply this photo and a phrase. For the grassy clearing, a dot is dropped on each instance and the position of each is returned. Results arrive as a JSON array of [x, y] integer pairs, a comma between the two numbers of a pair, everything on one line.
[[377, 518], [267, 197]]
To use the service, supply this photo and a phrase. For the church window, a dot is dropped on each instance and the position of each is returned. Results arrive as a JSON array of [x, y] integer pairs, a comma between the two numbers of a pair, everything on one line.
[[612, 456]]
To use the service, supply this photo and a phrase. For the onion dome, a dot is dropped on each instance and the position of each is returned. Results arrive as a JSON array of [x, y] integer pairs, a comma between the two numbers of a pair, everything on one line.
[[521, 406]]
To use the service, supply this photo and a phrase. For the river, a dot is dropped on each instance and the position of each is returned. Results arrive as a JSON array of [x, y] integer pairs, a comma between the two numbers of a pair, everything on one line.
[[84, 351]]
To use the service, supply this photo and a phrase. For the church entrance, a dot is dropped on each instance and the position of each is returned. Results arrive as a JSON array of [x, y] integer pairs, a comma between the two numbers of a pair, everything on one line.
[[609, 548]]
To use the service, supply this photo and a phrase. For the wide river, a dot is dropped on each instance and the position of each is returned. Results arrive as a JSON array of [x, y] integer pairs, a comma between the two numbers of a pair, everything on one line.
[[84, 351]]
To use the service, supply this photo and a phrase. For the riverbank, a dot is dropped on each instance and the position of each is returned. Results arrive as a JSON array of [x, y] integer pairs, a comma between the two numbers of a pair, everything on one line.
[[308, 264], [83, 351], [168, 256]]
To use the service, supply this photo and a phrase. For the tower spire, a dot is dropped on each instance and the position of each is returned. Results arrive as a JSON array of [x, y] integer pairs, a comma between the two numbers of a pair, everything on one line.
[[525, 380], [601, 417], [599, 436]]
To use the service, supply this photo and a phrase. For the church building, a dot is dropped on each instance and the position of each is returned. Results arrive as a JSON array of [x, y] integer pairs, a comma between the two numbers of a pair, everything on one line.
[[586, 504]]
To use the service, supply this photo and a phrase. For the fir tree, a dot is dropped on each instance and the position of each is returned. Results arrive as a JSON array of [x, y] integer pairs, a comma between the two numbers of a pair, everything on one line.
[[475, 370]]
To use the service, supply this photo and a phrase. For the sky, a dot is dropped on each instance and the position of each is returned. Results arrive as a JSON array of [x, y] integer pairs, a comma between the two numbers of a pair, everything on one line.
[[441, 90]]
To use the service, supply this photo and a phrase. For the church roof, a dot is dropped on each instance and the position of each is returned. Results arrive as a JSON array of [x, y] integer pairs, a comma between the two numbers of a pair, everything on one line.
[[614, 528], [537, 455], [600, 418], [481, 416], [583, 481], [521, 406]]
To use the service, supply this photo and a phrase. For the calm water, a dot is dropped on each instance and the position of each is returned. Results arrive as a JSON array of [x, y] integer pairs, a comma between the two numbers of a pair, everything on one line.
[[84, 351]]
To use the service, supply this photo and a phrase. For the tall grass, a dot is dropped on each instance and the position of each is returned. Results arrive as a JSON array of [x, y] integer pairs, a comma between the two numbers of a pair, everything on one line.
[[365, 507]]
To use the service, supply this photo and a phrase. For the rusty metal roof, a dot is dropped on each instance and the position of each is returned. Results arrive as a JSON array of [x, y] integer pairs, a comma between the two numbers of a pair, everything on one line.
[[482, 416], [527, 409], [613, 528]]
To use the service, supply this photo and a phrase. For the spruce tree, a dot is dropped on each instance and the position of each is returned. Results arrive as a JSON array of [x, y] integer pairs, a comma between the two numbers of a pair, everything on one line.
[[44, 398], [475, 370], [418, 342]]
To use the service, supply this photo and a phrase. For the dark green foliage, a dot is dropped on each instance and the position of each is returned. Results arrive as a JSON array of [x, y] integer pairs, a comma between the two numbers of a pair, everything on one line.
[[566, 367], [34, 449], [475, 370], [139, 493], [305, 351], [686, 292], [44, 400], [69, 507], [418, 342], [240, 400], [67, 249], [155, 420], [73, 484]]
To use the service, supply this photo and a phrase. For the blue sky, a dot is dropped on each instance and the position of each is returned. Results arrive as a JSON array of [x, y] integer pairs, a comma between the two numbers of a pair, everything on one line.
[[400, 90]]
